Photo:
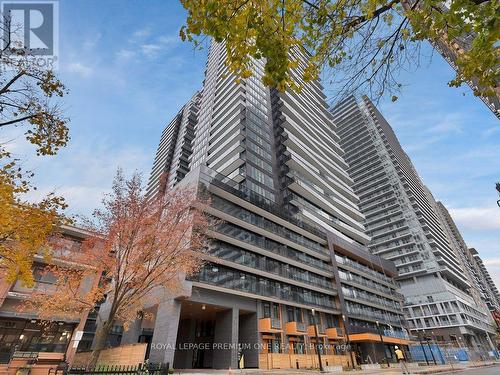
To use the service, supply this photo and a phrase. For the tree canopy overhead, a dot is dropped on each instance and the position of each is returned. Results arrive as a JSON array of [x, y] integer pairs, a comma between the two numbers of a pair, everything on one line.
[[363, 42]]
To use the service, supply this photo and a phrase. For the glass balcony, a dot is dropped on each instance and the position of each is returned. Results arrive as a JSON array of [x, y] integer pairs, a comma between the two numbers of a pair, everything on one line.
[[261, 222], [320, 328], [226, 277], [275, 323], [334, 333], [260, 201], [295, 328], [358, 295], [244, 235], [240, 256], [269, 325], [349, 262]]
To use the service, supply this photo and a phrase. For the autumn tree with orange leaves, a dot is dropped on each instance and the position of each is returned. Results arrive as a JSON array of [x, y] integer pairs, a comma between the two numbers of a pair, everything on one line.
[[142, 246]]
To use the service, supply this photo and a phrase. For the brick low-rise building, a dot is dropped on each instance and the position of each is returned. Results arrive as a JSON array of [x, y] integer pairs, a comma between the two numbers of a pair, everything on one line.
[[21, 331]]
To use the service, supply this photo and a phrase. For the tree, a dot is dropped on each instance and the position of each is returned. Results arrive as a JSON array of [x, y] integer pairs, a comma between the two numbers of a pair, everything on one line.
[[142, 246], [360, 43], [28, 100], [27, 94], [24, 228]]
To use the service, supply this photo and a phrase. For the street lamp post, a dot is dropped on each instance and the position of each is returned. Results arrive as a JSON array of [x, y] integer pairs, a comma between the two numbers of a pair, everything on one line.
[[348, 340], [430, 349], [317, 341], [383, 345], [422, 346]]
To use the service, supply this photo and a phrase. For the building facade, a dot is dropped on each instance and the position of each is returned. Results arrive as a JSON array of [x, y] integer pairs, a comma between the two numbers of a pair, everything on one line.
[[483, 289], [453, 49], [171, 162], [406, 227], [289, 249], [21, 330], [486, 285]]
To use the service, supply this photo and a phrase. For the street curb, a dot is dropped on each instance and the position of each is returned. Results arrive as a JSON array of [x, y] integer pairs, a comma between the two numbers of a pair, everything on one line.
[[450, 371]]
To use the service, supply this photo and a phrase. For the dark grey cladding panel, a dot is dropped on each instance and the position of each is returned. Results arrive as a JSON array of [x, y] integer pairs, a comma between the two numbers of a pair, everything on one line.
[[361, 254], [229, 300]]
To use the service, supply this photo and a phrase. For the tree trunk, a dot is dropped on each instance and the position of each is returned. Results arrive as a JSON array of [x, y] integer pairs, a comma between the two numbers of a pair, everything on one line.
[[100, 338]]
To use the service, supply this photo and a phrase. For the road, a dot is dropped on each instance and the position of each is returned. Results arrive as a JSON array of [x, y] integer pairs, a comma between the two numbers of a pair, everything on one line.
[[494, 370]]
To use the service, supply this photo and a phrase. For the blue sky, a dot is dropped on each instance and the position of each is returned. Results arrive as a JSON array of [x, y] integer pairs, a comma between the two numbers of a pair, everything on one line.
[[128, 74]]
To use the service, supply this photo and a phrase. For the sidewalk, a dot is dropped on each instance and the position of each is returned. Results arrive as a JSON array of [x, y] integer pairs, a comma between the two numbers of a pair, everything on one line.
[[458, 367]]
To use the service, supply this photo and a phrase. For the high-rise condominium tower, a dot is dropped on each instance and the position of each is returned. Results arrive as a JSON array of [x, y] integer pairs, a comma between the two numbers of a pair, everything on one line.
[[289, 249], [172, 157], [483, 289], [487, 285], [406, 227], [452, 49]]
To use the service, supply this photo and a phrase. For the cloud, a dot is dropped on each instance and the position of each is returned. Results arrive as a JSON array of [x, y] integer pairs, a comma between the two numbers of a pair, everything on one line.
[[144, 43], [80, 69], [477, 217], [83, 171], [490, 131], [91, 42], [492, 262], [125, 54], [150, 50], [450, 124], [140, 34]]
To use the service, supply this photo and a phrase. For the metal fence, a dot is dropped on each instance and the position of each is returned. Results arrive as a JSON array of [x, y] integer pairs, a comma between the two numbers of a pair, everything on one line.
[[447, 353], [140, 369]]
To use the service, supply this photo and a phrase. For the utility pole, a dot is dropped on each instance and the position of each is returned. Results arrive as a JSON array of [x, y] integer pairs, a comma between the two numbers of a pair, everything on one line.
[[321, 369]]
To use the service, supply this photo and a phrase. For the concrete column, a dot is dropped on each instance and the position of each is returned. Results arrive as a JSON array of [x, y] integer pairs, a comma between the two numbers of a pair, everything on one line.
[[165, 332], [249, 339], [488, 338], [186, 334], [226, 334]]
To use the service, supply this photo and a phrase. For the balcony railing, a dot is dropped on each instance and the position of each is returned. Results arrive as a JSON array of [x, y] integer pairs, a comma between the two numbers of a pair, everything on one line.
[[320, 328], [226, 184], [275, 323], [266, 224], [334, 332], [246, 258], [256, 240], [39, 286], [385, 332], [360, 314], [245, 283]]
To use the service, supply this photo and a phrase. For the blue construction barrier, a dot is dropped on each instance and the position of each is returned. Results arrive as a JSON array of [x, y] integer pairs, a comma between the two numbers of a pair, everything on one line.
[[461, 354], [431, 351]]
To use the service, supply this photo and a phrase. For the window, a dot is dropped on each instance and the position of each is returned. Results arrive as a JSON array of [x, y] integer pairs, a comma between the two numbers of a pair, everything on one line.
[[266, 309]]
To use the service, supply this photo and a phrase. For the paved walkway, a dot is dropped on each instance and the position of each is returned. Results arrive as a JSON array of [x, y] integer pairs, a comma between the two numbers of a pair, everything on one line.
[[419, 370]]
